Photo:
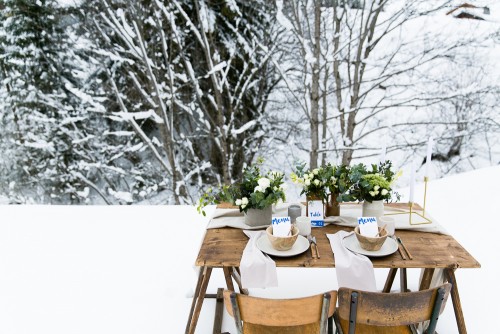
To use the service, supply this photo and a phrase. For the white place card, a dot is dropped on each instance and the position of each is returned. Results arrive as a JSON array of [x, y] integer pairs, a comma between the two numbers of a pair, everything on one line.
[[368, 226], [281, 226], [315, 211]]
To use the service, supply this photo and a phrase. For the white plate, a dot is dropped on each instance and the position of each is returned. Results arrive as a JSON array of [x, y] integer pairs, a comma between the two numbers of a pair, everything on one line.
[[300, 246], [352, 244]]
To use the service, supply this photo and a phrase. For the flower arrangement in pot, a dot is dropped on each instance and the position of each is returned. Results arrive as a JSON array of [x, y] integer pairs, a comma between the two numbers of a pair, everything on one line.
[[254, 194], [312, 182], [372, 187], [336, 181]]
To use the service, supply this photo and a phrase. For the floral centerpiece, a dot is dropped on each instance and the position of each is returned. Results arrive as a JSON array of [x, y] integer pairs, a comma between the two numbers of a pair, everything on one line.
[[312, 181], [371, 186], [256, 191], [336, 181]]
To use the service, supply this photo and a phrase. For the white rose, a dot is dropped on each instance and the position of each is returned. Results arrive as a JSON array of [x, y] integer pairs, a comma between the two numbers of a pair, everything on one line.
[[316, 182], [256, 189], [238, 202], [244, 201], [243, 206], [307, 182], [264, 183], [306, 176], [384, 192], [377, 192], [372, 193], [311, 175], [376, 188], [315, 171]]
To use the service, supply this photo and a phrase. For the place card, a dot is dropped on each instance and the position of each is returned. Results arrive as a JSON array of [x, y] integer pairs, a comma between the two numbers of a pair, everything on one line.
[[315, 212], [281, 226], [368, 226]]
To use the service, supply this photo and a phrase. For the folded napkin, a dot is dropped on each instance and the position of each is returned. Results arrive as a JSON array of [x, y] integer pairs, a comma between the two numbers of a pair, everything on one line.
[[354, 271], [258, 270]]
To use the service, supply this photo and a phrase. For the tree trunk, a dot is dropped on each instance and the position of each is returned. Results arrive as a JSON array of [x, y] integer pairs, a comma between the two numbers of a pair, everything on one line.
[[314, 122]]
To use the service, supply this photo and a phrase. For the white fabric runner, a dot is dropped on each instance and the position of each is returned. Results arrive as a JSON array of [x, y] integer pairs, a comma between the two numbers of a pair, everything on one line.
[[349, 214], [353, 270], [258, 270]]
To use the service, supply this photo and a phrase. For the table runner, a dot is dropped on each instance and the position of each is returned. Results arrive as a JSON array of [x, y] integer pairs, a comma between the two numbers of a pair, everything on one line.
[[349, 214]]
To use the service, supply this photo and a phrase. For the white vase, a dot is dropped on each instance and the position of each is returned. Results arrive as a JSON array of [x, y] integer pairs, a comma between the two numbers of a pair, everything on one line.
[[373, 209], [258, 217]]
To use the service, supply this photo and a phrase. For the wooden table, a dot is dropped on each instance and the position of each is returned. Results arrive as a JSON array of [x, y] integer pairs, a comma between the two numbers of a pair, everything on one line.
[[223, 248]]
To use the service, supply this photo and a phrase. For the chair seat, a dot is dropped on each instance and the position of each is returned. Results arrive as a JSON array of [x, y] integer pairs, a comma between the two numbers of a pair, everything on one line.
[[364, 329]]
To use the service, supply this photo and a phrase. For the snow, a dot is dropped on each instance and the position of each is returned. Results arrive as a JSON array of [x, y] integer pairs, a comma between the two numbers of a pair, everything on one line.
[[129, 269]]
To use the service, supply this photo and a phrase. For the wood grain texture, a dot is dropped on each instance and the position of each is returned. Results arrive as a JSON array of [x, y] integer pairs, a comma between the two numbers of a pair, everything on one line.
[[299, 315], [224, 247], [388, 309]]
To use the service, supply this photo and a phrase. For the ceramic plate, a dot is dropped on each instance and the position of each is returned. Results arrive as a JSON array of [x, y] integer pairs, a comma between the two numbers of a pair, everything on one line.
[[389, 247], [300, 246]]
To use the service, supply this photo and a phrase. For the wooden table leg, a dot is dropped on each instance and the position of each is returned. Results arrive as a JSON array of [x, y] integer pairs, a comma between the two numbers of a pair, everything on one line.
[[199, 296], [229, 279], [455, 298], [425, 283], [402, 280], [237, 277], [219, 308], [390, 280]]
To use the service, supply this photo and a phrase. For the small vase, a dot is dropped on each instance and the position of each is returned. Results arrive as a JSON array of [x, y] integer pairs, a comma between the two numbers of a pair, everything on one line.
[[373, 209], [312, 198], [259, 217], [332, 206]]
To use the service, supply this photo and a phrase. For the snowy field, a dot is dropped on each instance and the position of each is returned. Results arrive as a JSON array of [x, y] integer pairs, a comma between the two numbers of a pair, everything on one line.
[[129, 269]]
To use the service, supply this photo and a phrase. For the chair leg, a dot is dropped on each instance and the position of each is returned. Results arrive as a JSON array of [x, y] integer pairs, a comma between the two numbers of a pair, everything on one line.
[[236, 313], [324, 313], [219, 309]]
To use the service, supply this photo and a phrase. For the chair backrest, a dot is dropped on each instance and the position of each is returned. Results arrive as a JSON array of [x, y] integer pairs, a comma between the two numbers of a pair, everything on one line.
[[300, 315], [370, 309]]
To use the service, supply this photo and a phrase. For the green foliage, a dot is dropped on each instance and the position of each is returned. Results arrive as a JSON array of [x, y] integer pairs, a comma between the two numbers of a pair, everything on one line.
[[254, 191], [370, 185], [322, 181]]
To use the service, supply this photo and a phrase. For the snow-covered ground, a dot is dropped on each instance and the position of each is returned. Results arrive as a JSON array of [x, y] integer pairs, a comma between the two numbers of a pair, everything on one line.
[[129, 269]]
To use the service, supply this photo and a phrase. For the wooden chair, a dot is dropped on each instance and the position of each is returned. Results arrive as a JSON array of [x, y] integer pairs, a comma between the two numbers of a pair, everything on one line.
[[372, 312], [307, 315]]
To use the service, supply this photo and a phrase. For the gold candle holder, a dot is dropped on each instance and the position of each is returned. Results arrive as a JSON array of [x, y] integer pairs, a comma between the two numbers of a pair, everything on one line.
[[410, 213]]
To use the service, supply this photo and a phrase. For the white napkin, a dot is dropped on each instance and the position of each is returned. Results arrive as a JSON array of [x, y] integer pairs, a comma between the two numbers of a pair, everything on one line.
[[354, 271], [258, 270]]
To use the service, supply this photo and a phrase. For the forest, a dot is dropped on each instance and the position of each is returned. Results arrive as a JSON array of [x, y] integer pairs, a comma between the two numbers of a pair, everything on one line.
[[122, 102]]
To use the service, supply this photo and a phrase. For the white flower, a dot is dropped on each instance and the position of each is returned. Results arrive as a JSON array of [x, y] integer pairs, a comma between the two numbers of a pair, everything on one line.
[[334, 180], [316, 182], [316, 171], [372, 193], [244, 201], [311, 175], [384, 192], [238, 202], [257, 189], [307, 182], [376, 188], [275, 188], [377, 192], [306, 176], [243, 206], [264, 183]]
